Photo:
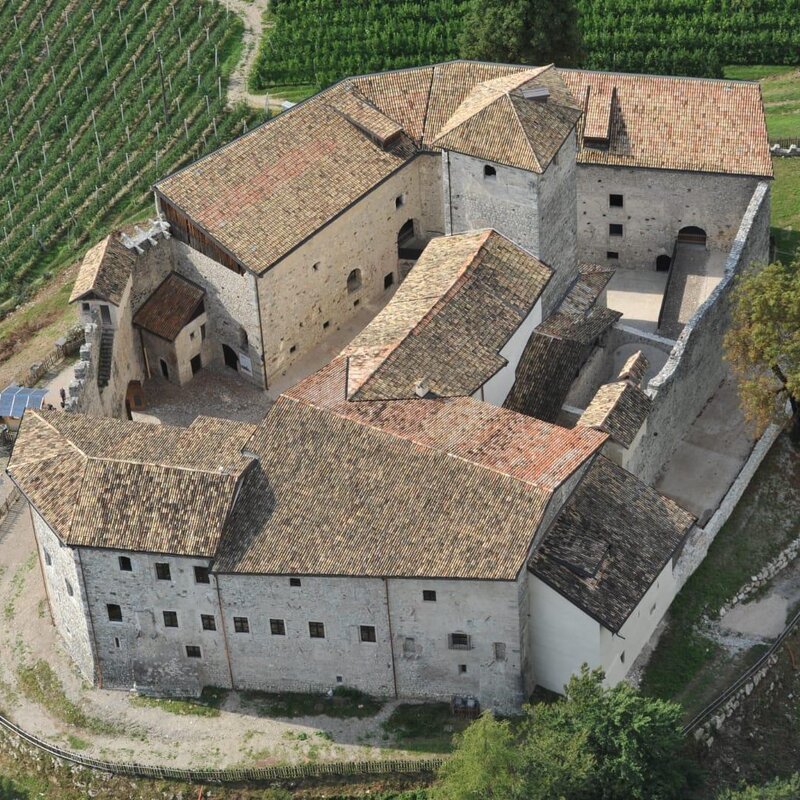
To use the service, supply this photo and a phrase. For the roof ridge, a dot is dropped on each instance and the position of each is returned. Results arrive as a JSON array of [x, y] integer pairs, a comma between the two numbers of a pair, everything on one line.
[[59, 432], [205, 471], [524, 133]]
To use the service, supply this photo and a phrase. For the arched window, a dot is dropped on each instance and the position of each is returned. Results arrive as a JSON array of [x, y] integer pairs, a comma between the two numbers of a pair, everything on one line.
[[489, 171], [691, 234], [662, 263], [354, 280]]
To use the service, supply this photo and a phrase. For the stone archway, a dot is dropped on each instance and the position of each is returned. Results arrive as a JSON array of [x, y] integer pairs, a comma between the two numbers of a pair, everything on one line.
[[691, 234], [663, 263]]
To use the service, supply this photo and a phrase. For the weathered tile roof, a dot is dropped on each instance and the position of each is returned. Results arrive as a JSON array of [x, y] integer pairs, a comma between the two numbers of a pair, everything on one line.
[[332, 496], [496, 439], [102, 482], [610, 542], [634, 369], [105, 270], [560, 346], [448, 321], [170, 308], [265, 193], [660, 122], [498, 122]]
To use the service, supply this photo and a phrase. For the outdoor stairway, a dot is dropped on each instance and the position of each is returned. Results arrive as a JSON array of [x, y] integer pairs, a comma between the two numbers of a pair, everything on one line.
[[106, 353]]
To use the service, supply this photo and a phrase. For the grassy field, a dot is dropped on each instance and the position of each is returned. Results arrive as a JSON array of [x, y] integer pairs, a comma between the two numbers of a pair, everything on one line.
[[86, 131]]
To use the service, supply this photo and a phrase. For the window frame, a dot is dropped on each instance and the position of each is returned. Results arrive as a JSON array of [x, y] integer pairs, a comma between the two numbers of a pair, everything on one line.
[[193, 651], [114, 615], [489, 172], [369, 630], [612, 204], [458, 640], [277, 627], [170, 617], [208, 622], [316, 630], [295, 582], [241, 625], [125, 560], [202, 571], [429, 595], [616, 229], [160, 567]]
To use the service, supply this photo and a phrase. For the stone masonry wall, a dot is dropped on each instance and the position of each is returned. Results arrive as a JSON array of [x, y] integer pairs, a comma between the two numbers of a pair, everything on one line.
[[66, 595], [695, 367], [656, 205], [305, 297]]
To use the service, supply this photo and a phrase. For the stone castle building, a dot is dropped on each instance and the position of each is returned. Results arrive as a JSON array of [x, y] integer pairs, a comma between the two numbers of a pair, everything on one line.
[[459, 503]]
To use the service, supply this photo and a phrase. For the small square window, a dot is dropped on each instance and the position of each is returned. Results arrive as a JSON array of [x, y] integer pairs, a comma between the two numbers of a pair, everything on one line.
[[400, 201], [429, 595], [316, 630], [388, 280], [162, 571], [125, 564], [499, 651], [241, 625], [489, 171], [615, 229], [339, 679], [294, 581], [47, 559], [613, 255], [192, 651], [326, 324], [462, 669], [293, 348], [69, 587], [368, 633], [356, 302], [114, 612], [277, 627], [208, 622], [459, 641], [170, 619], [85, 307], [615, 200], [201, 575]]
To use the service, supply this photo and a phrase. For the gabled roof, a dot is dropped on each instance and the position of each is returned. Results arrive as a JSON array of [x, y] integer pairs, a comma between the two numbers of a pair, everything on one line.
[[560, 346], [171, 307], [692, 124], [610, 542], [498, 121], [105, 270], [449, 320], [335, 496], [101, 482]]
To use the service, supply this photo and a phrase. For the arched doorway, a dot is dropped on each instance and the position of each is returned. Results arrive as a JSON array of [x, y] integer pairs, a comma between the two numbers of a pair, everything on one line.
[[663, 263], [164, 368], [354, 280], [134, 398], [691, 234], [408, 246], [231, 359]]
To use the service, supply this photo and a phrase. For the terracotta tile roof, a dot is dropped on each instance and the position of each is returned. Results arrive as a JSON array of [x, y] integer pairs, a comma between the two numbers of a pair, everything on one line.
[[330, 496], [105, 270], [560, 346], [498, 122], [610, 542], [101, 482], [689, 124], [619, 409], [171, 307], [493, 438], [353, 106], [634, 369], [448, 321]]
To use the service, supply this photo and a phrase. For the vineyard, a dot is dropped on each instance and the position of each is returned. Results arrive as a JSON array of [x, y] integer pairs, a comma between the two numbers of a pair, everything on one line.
[[100, 99], [315, 42]]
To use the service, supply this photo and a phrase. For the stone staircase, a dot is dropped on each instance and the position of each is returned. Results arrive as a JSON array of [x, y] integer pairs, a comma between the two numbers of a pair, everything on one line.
[[106, 357]]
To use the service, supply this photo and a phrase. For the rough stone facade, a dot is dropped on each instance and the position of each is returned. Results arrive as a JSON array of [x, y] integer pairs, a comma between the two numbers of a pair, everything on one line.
[[656, 204], [191, 342]]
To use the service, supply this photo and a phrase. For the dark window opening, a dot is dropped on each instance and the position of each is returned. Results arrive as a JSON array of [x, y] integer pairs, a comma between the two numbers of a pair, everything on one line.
[[114, 612], [462, 668], [244, 340], [316, 630], [615, 200], [85, 307], [315, 266], [388, 280], [326, 324], [116, 641], [663, 263], [192, 651], [164, 368], [196, 364], [203, 332], [125, 564], [47, 559], [277, 627], [293, 348], [356, 302], [105, 315], [230, 357], [208, 622], [241, 625], [201, 575], [170, 619], [489, 171], [691, 234], [615, 229], [163, 572], [459, 641], [400, 201], [69, 587], [294, 581], [499, 651], [368, 633], [339, 679], [429, 595], [354, 280], [612, 254]]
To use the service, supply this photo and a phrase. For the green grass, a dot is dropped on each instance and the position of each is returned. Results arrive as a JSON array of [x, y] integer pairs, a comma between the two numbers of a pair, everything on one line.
[[687, 666], [207, 705], [786, 207], [293, 94], [76, 743], [755, 72], [424, 727], [345, 703]]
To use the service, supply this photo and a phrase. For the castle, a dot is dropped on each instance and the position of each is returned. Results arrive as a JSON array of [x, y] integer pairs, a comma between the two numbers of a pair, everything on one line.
[[461, 502]]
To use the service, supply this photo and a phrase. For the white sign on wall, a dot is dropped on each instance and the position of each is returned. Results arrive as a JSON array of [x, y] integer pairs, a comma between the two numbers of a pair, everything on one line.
[[245, 364]]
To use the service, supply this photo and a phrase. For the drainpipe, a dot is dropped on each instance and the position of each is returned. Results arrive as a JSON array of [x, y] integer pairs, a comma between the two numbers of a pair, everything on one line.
[[391, 635], [224, 630]]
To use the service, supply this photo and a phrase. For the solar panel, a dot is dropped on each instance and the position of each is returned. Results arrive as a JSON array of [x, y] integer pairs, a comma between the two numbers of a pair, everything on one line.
[[15, 399]]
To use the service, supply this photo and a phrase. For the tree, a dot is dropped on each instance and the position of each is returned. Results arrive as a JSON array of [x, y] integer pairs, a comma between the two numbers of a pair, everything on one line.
[[763, 342], [788, 789], [533, 32], [597, 743]]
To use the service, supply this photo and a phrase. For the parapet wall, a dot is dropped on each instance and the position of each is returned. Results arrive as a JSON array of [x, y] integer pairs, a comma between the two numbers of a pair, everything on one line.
[[695, 367]]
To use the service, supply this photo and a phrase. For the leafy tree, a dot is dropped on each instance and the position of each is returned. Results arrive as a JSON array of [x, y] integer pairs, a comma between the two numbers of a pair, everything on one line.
[[597, 743], [763, 343], [11, 791], [776, 790], [522, 32]]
